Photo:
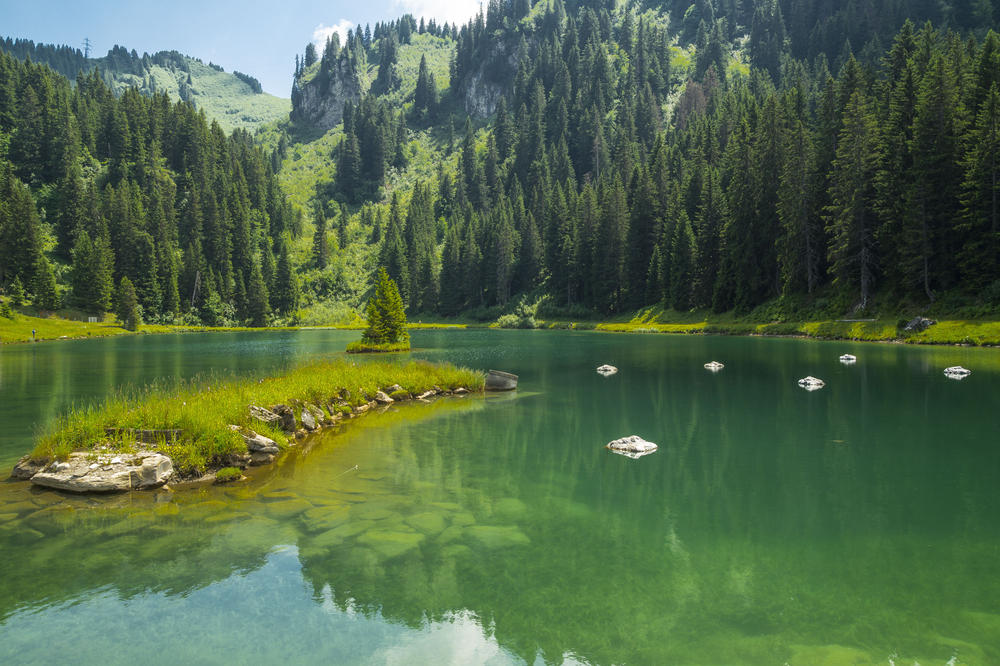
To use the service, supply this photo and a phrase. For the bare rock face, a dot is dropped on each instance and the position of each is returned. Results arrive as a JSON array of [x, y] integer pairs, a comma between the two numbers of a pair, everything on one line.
[[320, 100], [106, 472]]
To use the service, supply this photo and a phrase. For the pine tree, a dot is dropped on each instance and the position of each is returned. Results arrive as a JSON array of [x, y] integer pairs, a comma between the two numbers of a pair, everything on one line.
[[127, 307], [321, 245], [385, 314], [850, 217], [43, 285]]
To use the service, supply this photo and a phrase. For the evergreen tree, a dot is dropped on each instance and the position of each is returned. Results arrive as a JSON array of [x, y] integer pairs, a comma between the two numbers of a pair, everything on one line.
[[127, 308], [43, 285], [321, 245], [385, 314]]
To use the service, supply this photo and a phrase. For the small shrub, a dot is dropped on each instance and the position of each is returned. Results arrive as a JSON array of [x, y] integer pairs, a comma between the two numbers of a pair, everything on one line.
[[228, 475]]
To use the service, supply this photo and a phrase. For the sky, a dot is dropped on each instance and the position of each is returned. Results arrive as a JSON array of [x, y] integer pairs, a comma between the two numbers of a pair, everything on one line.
[[257, 37]]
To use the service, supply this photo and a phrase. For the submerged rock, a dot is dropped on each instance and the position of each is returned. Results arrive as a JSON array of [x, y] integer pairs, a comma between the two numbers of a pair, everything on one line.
[[606, 370], [632, 446], [811, 383], [957, 372], [87, 473], [493, 537]]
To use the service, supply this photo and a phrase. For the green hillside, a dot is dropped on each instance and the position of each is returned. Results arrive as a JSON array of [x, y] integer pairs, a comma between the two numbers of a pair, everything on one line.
[[234, 100]]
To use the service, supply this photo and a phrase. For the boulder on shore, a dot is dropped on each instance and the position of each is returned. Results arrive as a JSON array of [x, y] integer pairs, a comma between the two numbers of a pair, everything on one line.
[[264, 415], [106, 472], [287, 417], [383, 399], [632, 446], [27, 467]]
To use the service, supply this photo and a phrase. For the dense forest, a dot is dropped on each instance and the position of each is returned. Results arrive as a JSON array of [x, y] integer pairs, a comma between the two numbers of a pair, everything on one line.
[[599, 156], [610, 176], [104, 194]]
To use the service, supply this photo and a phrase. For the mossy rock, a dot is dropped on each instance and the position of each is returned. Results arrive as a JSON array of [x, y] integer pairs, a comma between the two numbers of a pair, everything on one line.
[[456, 551], [351, 529], [428, 522], [323, 518], [400, 395], [453, 533], [493, 537], [287, 508], [463, 519], [228, 517], [371, 511], [827, 655], [390, 544], [509, 508], [228, 475], [167, 509]]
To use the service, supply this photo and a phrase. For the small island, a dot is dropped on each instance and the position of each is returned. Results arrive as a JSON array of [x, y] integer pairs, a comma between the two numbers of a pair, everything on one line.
[[192, 433], [386, 317]]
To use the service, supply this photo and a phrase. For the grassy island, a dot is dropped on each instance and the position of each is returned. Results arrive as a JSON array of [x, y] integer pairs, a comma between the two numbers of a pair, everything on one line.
[[195, 418]]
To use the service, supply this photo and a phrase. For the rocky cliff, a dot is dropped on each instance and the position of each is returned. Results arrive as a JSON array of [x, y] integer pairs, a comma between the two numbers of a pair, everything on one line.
[[319, 100]]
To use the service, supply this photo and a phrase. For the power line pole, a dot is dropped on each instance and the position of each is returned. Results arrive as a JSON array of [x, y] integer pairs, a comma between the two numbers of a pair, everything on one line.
[[86, 47]]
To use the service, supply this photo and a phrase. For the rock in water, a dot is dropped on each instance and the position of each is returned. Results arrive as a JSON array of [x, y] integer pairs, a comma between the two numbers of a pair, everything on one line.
[[383, 399], [606, 370], [848, 359], [957, 372], [632, 446], [85, 473], [27, 468], [811, 383], [714, 366]]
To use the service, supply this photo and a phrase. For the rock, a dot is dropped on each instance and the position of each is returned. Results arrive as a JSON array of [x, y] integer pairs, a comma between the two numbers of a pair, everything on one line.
[[811, 383], [714, 366], [308, 420], [632, 446], [27, 468], [957, 372], [137, 471], [493, 537], [461, 390], [427, 394], [361, 409], [918, 324], [319, 102], [848, 359], [287, 417], [256, 443], [260, 458], [264, 415], [392, 389], [317, 413], [383, 399], [606, 370]]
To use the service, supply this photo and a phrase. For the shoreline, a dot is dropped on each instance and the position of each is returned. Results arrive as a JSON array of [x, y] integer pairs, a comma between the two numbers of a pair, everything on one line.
[[188, 435]]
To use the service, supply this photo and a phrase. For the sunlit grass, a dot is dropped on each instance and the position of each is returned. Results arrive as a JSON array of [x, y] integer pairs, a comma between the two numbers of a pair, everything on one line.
[[202, 409]]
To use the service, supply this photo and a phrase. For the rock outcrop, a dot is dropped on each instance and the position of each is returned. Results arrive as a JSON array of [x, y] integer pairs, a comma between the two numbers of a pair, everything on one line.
[[106, 472], [319, 101]]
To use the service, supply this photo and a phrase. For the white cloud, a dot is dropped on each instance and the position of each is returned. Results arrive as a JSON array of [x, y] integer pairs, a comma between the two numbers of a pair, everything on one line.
[[452, 11], [323, 32]]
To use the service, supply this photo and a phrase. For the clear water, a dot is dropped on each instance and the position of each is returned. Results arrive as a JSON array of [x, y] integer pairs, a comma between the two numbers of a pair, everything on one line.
[[857, 524]]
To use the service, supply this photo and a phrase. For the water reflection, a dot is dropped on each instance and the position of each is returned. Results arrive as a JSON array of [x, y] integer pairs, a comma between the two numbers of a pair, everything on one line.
[[773, 525]]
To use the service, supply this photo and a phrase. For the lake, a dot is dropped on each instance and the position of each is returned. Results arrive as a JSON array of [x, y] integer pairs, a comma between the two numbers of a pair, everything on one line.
[[856, 524]]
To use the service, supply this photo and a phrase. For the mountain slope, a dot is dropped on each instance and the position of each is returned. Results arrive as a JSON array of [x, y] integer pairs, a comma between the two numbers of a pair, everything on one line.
[[233, 99]]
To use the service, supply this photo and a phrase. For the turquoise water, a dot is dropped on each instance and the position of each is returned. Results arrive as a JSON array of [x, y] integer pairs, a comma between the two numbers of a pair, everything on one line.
[[851, 525]]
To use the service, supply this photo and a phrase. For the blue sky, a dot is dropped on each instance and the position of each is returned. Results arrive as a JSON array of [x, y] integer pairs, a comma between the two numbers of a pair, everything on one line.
[[253, 36]]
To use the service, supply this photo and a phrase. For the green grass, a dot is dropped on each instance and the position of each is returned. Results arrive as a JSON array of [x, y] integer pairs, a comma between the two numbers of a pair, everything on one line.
[[362, 347], [228, 475], [18, 329], [202, 410]]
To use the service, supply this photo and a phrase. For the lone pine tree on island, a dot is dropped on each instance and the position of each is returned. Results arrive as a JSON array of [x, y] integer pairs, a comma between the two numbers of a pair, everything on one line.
[[386, 319]]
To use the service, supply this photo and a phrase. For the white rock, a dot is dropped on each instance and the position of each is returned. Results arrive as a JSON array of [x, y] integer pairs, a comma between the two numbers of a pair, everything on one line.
[[607, 370], [811, 383], [141, 470], [632, 446], [383, 399], [714, 366], [957, 372], [848, 359]]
